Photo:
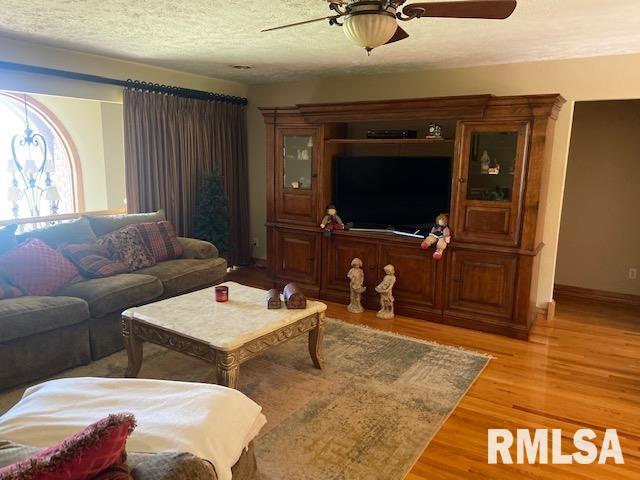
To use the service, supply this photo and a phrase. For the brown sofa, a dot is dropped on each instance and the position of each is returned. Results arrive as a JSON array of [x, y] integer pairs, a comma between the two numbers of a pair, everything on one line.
[[41, 336]]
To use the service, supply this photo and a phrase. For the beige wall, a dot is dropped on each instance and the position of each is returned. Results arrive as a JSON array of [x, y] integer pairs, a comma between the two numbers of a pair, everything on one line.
[[600, 224], [613, 77], [43, 56], [113, 146]]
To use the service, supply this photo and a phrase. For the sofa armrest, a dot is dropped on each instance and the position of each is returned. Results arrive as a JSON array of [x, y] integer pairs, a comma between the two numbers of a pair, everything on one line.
[[194, 248], [169, 466]]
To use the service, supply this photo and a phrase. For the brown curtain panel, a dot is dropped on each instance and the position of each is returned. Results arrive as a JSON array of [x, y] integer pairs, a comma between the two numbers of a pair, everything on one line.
[[171, 143]]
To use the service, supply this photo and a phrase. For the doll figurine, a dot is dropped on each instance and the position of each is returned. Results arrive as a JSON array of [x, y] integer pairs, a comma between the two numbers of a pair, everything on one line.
[[356, 285], [385, 290], [331, 221], [440, 235]]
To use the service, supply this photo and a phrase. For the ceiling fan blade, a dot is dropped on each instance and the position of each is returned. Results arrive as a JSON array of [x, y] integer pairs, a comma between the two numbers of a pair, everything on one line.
[[300, 23], [399, 35], [492, 9]]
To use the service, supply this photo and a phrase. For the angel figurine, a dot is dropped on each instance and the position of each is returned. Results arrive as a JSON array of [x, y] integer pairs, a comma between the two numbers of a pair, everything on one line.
[[385, 290], [356, 284]]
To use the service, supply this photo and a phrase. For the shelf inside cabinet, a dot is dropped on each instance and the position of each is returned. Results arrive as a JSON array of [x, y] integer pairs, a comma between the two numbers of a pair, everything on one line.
[[389, 141]]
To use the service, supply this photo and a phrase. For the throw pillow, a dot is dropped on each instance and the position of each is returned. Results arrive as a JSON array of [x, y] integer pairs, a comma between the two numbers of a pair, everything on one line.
[[103, 224], [93, 260], [8, 238], [161, 239], [126, 246], [37, 268], [76, 231], [82, 456]]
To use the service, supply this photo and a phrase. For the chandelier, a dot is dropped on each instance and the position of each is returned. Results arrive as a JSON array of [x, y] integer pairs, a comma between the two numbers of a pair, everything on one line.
[[31, 168]]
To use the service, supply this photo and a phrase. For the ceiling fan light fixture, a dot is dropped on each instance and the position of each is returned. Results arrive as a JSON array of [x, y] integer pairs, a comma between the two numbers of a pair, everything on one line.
[[371, 29]]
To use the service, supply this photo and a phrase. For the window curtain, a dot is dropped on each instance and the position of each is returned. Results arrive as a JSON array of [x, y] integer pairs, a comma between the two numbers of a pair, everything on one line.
[[171, 143]]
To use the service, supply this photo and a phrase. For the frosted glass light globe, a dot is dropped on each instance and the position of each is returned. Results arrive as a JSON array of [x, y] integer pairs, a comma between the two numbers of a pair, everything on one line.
[[370, 30]]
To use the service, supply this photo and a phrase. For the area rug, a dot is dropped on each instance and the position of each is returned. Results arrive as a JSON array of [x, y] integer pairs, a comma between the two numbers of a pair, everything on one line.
[[368, 415]]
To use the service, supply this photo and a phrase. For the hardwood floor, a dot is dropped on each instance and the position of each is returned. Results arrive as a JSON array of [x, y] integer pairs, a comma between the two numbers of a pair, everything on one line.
[[580, 370]]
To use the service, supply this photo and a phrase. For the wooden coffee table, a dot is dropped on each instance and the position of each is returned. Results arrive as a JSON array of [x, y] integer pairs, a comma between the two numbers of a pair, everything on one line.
[[223, 334]]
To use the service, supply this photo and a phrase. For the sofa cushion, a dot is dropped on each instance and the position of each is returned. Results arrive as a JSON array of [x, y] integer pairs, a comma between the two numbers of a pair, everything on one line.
[[114, 294], [37, 268], [93, 260], [24, 316], [108, 223], [76, 231], [184, 275], [161, 239], [126, 246], [8, 238]]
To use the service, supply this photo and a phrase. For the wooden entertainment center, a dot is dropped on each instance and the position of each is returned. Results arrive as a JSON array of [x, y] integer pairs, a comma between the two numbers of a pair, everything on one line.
[[486, 277]]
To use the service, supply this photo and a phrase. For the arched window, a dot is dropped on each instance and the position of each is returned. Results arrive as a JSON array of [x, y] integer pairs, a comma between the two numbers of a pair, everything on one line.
[[31, 186]]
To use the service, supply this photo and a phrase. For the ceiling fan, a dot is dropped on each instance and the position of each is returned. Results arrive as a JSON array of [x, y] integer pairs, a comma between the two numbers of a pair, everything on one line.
[[372, 23]]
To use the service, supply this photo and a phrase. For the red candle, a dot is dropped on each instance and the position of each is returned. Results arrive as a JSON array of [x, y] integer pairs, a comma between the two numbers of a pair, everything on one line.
[[222, 293]]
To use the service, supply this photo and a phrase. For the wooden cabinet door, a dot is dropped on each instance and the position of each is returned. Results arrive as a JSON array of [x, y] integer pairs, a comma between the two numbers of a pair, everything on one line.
[[296, 158], [488, 182], [298, 255], [416, 274], [338, 251], [481, 283]]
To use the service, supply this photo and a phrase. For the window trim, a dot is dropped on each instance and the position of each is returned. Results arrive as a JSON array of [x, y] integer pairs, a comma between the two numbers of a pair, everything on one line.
[[67, 143]]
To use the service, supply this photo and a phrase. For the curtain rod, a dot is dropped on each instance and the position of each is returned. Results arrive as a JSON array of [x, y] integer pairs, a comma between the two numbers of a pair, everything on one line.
[[132, 84]]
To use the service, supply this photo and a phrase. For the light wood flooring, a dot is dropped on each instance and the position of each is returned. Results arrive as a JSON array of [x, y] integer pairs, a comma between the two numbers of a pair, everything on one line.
[[580, 370]]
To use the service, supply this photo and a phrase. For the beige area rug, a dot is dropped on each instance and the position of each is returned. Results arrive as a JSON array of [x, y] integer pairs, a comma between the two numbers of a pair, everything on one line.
[[368, 415]]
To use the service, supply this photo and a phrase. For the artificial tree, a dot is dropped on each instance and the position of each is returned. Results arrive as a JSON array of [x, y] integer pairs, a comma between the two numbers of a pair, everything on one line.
[[211, 221]]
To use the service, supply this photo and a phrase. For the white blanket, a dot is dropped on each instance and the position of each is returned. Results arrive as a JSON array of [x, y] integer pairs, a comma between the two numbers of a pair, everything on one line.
[[210, 421]]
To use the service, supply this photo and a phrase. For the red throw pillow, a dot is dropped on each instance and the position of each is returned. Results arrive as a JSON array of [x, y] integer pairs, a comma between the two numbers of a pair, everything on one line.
[[99, 447], [161, 239], [125, 245], [37, 268], [93, 260]]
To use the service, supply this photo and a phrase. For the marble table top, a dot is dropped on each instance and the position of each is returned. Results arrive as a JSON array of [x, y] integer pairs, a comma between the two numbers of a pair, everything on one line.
[[225, 326]]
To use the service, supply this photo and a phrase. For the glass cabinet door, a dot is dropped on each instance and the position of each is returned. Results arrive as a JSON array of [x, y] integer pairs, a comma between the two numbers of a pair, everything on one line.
[[297, 151], [490, 170], [492, 166]]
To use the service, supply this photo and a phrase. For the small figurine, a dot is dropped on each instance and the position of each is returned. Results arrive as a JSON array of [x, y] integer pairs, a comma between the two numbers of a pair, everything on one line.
[[331, 221], [440, 235], [294, 299], [386, 294], [273, 299], [356, 285]]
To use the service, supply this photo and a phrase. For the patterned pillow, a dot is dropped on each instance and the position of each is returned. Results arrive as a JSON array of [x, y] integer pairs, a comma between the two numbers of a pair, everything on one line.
[[161, 239], [80, 457], [37, 268], [93, 260], [126, 246]]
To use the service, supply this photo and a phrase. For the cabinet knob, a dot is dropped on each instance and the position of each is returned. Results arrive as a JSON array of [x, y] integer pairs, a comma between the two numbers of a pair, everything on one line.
[[462, 180]]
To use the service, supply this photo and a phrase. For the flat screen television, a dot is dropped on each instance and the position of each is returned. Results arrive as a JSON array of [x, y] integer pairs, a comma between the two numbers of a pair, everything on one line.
[[400, 193]]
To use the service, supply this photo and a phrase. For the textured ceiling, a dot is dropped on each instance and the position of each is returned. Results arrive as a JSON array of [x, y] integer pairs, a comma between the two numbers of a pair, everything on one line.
[[207, 36]]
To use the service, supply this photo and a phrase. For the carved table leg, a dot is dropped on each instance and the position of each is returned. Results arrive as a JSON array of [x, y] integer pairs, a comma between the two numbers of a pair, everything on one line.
[[134, 348], [316, 337], [228, 369]]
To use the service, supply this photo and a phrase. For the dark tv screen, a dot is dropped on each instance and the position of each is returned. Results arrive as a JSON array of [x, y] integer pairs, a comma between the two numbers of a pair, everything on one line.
[[383, 192]]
